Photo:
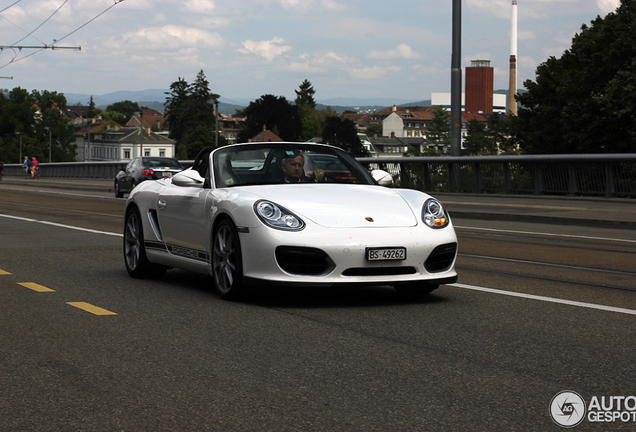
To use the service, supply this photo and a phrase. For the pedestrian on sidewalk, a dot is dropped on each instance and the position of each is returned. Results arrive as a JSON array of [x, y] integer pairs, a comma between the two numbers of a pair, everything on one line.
[[27, 167], [35, 169]]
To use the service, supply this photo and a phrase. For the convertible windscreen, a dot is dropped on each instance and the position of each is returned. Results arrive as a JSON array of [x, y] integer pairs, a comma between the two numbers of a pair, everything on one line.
[[276, 164]]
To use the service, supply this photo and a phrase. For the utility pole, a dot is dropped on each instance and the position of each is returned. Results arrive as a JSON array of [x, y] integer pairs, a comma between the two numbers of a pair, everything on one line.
[[49, 129], [456, 81], [215, 104], [20, 134], [456, 96], [51, 47]]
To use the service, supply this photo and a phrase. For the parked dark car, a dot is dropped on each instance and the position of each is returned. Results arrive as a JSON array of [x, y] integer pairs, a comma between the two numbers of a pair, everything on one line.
[[144, 168]]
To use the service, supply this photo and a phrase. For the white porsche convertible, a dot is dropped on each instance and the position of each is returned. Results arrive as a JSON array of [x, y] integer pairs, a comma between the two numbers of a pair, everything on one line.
[[288, 214]]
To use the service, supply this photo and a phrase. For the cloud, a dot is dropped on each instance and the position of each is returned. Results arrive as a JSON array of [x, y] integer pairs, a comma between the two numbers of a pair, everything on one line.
[[330, 59], [168, 37], [402, 51], [313, 5], [300, 67], [199, 6], [367, 73], [267, 49], [526, 35], [607, 6]]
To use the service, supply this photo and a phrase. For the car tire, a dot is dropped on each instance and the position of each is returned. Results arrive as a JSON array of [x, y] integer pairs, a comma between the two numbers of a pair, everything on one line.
[[135, 258], [118, 192], [415, 289], [227, 266]]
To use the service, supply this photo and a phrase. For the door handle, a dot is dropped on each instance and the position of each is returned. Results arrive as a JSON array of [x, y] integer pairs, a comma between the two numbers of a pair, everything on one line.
[[161, 204]]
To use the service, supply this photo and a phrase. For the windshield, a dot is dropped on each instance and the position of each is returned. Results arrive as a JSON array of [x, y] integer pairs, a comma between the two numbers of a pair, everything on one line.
[[272, 163], [161, 163]]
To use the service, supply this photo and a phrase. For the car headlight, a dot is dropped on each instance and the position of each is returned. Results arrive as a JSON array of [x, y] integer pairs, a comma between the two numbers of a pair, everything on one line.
[[278, 217], [434, 215]]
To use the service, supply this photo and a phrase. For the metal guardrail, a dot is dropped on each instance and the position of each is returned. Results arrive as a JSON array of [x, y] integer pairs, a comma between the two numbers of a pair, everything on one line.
[[101, 169], [592, 174]]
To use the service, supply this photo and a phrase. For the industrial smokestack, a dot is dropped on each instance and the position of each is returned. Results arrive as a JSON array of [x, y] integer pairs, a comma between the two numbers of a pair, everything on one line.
[[512, 84]]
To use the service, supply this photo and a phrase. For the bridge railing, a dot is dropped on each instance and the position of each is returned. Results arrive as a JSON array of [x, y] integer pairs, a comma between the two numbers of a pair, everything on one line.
[[593, 174]]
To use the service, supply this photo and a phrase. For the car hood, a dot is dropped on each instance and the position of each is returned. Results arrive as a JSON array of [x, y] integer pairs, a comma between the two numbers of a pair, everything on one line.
[[341, 205]]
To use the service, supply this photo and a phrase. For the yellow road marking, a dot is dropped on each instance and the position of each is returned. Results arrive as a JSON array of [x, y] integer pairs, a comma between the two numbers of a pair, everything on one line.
[[2, 272], [35, 287], [90, 308]]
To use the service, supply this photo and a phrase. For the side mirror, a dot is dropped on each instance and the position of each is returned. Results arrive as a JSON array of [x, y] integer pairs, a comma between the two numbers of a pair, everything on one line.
[[188, 178], [382, 177]]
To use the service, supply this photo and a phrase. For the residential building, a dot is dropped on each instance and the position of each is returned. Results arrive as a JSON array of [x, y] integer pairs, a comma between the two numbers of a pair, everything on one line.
[[112, 142], [152, 119], [397, 146], [413, 122], [266, 136], [229, 127]]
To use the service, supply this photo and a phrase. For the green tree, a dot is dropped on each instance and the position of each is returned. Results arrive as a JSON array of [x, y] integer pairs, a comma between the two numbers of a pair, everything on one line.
[[274, 113], [26, 115], [374, 129], [309, 120], [585, 101], [190, 115], [489, 138], [199, 116], [121, 112], [305, 94], [341, 132], [62, 135], [439, 131], [92, 111], [17, 117], [477, 141]]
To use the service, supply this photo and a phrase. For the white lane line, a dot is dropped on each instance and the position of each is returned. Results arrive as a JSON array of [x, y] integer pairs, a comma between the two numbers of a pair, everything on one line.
[[547, 299], [63, 226], [546, 234]]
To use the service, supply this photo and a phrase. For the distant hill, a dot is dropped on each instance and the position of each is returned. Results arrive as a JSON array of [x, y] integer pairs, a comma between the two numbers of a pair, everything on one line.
[[155, 99]]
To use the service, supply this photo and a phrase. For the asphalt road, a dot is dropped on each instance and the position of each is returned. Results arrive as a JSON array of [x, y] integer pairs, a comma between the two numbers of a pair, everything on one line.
[[538, 309]]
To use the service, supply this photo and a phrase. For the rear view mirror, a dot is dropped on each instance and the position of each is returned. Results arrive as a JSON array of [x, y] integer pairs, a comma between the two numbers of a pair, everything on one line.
[[382, 177], [188, 178]]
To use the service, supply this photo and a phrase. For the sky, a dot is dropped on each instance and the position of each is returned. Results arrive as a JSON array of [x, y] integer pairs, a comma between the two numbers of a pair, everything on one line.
[[365, 49]]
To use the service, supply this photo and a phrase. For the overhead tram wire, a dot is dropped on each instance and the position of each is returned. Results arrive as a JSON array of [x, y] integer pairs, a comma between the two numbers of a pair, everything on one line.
[[14, 45], [38, 27], [53, 46], [10, 6]]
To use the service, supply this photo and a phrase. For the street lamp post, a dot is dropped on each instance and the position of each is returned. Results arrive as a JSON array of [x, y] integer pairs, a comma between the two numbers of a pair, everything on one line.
[[20, 133], [49, 129], [215, 102], [141, 133]]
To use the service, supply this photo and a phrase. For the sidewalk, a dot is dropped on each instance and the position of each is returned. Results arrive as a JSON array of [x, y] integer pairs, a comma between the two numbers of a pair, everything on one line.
[[83, 184], [563, 210]]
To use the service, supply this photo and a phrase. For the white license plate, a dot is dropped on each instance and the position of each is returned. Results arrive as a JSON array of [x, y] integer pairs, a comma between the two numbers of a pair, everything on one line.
[[386, 254], [166, 174]]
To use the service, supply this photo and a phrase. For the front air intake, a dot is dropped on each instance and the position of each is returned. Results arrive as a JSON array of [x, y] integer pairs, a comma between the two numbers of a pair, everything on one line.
[[303, 260], [441, 259]]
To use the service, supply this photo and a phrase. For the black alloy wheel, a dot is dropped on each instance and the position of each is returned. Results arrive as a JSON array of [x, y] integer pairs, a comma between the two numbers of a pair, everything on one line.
[[227, 266], [137, 263]]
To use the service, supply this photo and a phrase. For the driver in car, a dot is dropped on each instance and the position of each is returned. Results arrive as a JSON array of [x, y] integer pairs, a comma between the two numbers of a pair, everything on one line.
[[293, 171]]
